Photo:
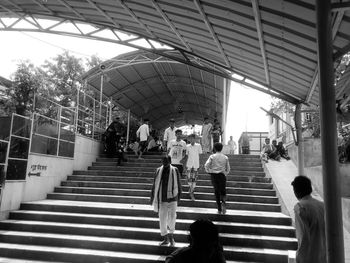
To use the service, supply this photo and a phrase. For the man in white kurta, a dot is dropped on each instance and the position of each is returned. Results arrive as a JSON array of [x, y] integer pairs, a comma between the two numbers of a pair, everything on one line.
[[309, 223], [169, 133], [232, 145], [143, 133], [206, 136], [193, 150]]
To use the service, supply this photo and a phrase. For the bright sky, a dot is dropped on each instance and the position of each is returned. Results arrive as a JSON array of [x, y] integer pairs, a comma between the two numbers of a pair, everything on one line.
[[244, 113]]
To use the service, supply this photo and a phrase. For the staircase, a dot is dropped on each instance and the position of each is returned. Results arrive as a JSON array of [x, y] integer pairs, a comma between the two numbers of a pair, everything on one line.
[[104, 215]]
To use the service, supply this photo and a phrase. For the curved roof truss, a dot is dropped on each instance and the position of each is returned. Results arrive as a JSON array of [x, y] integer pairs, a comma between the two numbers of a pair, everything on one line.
[[270, 44]]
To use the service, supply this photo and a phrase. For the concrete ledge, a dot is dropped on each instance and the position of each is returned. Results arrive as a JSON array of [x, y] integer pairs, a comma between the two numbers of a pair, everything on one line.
[[282, 174]]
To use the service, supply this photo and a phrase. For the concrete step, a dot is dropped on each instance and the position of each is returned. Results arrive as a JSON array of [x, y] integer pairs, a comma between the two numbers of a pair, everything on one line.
[[183, 202], [102, 256], [93, 224], [121, 172], [152, 168], [137, 210], [146, 193], [200, 182], [157, 162], [66, 254], [137, 239], [127, 185], [101, 178], [149, 163]]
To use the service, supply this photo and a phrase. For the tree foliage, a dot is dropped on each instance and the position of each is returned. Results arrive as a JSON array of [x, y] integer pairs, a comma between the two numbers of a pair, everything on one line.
[[26, 81], [62, 76]]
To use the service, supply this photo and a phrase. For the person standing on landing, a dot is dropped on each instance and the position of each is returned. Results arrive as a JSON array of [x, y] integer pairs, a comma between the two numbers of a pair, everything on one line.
[[232, 145], [193, 150], [218, 167], [309, 223], [143, 133], [206, 135], [169, 133], [165, 194], [177, 151]]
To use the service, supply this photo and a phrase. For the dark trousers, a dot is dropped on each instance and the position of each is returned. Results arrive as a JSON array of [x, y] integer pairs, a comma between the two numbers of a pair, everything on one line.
[[179, 167], [219, 183]]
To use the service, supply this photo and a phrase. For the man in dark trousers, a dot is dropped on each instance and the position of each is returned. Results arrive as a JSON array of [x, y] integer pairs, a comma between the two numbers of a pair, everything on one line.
[[114, 133]]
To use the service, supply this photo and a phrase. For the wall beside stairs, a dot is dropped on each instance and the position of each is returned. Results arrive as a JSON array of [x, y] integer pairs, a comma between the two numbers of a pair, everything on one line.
[[52, 170]]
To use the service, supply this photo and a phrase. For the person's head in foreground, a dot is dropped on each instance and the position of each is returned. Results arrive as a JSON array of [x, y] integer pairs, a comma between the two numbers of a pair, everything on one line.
[[166, 160], [301, 186], [204, 235], [218, 147], [178, 134]]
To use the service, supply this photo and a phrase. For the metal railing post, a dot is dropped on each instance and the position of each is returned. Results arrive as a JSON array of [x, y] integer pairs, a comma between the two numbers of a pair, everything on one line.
[[59, 131], [300, 140]]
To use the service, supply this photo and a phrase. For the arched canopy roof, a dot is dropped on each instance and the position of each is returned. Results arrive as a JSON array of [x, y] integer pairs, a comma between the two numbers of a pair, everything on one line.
[[270, 42], [158, 88]]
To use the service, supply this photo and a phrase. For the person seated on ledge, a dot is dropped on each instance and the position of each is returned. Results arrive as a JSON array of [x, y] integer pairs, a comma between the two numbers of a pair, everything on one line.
[[282, 151], [269, 151]]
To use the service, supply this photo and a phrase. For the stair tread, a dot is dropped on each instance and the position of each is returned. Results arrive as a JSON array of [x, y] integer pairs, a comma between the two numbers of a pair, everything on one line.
[[227, 187], [140, 229], [82, 251], [18, 260], [142, 198], [155, 219], [143, 190], [197, 210], [136, 241]]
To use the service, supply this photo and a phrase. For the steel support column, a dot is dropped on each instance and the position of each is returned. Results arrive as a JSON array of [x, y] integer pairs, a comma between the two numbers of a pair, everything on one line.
[[330, 166], [223, 120], [101, 96], [128, 128], [300, 140]]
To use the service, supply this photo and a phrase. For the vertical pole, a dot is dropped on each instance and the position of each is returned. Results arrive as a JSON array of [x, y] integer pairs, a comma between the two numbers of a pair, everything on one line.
[[101, 94], [59, 130], [93, 119], [300, 140], [223, 121], [330, 168], [110, 113], [128, 128], [77, 112]]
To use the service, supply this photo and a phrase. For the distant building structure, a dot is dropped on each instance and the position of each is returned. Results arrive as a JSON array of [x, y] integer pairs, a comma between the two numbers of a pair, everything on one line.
[[254, 141]]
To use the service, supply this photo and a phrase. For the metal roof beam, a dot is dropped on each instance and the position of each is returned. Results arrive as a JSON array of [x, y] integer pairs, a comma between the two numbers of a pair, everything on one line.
[[63, 2], [257, 18], [128, 87], [341, 6], [133, 15], [103, 13], [170, 24], [335, 28], [43, 7], [212, 32], [193, 88]]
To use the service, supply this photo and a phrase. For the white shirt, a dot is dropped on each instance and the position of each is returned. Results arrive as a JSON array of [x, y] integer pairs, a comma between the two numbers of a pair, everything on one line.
[[232, 144], [177, 151], [143, 132], [169, 134], [193, 152], [310, 230], [217, 163]]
